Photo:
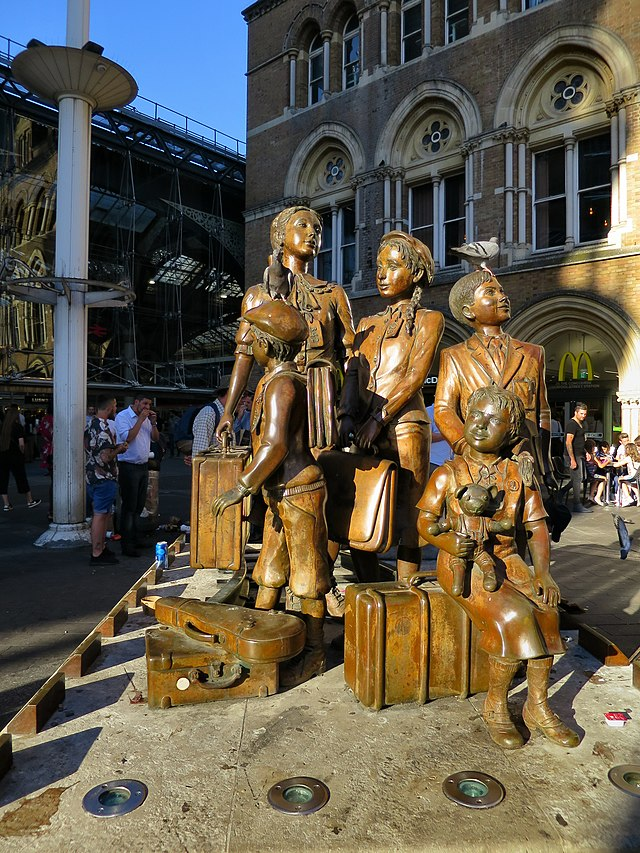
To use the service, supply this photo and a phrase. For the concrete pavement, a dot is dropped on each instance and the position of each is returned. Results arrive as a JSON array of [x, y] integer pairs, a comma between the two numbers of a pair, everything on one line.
[[209, 767]]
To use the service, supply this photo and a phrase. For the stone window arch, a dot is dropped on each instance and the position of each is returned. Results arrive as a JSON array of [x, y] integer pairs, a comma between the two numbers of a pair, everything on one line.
[[564, 137]]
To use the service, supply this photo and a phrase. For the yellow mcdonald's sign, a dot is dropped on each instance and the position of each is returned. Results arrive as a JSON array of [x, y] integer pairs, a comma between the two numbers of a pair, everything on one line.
[[576, 373]]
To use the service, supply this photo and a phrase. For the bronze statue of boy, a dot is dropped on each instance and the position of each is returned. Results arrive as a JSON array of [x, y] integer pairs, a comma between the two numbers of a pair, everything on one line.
[[491, 357], [294, 545], [519, 619]]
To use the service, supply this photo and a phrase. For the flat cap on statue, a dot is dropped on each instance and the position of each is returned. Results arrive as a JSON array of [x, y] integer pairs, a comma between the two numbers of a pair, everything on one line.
[[280, 320]]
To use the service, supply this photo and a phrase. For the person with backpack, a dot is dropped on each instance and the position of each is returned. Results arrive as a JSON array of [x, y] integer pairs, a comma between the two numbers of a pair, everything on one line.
[[205, 422]]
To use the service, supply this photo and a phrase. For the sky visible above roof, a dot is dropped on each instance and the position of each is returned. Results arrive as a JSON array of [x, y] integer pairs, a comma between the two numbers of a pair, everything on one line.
[[190, 56]]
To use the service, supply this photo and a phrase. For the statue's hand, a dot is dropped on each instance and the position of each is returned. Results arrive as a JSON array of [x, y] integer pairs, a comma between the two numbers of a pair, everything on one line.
[[367, 434], [227, 499], [225, 424], [547, 589], [347, 430], [456, 544], [550, 481]]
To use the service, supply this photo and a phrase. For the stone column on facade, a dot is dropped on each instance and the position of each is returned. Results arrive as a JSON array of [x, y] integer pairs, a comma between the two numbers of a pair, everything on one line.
[[326, 60], [293, 74], [508, 193], [384, 24], [387, 203], [522, 195], [612, 112], [630, 413], [569, 159], [399, 220], [467, 153], [356, 186], [438, 219], [335, 242], [31, 215], [622, 165], [426, 24]]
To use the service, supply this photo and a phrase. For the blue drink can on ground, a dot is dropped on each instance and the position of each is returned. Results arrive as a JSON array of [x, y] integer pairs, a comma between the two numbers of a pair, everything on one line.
[[162, 555]]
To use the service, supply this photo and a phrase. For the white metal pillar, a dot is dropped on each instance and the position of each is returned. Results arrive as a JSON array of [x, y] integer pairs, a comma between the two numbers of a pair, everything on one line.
[[78, 80]]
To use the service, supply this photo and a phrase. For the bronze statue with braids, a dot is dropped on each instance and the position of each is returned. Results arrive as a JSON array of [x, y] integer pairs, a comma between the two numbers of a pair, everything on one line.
[[381, 406]]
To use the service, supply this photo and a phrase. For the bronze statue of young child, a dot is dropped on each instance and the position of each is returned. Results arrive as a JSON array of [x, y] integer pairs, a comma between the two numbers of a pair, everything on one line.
[[294, 545], [381, 407], [519, 619]]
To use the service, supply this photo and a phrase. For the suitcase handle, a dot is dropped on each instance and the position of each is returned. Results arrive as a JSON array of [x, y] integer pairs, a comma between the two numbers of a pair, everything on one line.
[[415, 579], [196, 634]]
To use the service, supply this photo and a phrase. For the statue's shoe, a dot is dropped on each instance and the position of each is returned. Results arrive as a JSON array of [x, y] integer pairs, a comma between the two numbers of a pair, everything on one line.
[[302, 668], [542, 719], [502, 729]]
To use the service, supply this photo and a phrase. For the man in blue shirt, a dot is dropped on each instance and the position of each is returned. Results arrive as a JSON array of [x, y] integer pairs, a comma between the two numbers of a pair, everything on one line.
[[137, 426]]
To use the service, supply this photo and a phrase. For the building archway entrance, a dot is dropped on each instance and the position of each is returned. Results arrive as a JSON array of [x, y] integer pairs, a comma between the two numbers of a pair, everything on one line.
[[593, 354]]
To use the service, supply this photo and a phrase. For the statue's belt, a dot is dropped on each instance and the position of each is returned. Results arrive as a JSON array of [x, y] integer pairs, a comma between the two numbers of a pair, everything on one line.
[[283, 492]]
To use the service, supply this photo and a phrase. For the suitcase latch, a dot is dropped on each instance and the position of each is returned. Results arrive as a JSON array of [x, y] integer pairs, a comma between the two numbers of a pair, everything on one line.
[[218, 675]]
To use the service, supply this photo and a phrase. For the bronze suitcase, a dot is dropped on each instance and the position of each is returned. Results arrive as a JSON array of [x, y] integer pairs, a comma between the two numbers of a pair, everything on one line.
[[217, 543], [409, 643], [238, 654]]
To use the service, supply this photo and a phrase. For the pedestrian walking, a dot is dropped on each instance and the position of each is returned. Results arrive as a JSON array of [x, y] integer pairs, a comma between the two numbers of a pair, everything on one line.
[[102, 476], [12, 459]]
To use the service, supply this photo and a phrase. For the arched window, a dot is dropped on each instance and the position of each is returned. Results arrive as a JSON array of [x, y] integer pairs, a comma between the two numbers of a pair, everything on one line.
[[437, 210], [351, 53], [316, 70]]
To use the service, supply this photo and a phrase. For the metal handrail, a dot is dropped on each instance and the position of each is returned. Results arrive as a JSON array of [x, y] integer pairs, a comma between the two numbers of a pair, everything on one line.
[[182, 123]]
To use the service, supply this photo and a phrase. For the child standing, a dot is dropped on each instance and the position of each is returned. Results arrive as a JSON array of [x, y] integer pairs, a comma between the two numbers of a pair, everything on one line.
[[382, 408], [294, 545]]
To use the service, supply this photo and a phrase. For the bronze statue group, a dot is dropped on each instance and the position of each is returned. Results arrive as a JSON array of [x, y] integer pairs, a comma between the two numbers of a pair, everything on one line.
[[327, 386]]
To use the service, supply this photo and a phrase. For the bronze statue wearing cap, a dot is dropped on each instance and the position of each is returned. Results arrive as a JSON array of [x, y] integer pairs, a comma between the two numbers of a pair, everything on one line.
[[382, 406], [294, 545]]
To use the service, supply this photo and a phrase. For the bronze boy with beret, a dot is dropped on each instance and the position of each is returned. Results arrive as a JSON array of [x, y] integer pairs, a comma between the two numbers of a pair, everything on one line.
[[294, 546]]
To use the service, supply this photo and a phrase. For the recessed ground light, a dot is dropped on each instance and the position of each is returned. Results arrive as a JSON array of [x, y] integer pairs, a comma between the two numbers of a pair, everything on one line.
[[298, 795], [112, 799], [626, 777], [473, 789]]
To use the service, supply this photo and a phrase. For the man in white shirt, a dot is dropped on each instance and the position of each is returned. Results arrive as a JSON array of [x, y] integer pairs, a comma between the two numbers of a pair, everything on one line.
[[137, 426], [621, 450]]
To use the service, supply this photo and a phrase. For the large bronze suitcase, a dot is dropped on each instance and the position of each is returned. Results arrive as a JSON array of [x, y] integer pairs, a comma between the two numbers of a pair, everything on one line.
[[217, 543], [218, 652], [409, 643]]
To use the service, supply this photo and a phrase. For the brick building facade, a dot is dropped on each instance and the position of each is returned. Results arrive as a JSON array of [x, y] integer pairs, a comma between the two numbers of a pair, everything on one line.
[[457, 121]]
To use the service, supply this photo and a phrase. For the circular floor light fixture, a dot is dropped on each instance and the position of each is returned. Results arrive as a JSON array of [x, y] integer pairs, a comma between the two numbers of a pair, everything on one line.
[[626, 777], [298, 795], [112, 799], [473, 789]]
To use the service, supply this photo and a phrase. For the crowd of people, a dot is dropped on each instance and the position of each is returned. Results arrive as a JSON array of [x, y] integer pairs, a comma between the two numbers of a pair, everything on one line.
[[599, 473]]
